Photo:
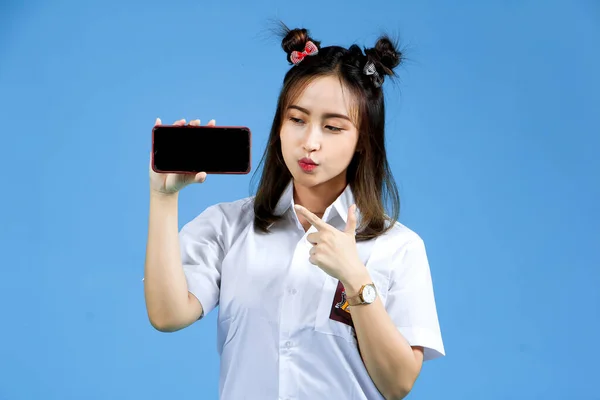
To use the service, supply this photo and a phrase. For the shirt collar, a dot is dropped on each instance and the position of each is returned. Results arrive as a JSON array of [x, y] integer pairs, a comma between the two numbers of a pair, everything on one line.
[[339, 206]]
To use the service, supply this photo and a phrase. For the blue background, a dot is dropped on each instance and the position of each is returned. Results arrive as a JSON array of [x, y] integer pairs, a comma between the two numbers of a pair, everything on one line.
[[493, 136]]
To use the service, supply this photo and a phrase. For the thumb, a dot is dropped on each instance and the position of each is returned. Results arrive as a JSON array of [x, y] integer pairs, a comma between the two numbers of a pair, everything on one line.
[[200, 177], [351, 224]]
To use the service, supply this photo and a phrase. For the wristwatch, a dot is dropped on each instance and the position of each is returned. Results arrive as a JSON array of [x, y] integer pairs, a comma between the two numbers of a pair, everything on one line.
[[366, 295]]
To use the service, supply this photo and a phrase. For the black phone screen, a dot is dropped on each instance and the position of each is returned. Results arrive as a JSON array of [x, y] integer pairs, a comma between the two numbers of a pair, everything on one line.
[[201, 149]]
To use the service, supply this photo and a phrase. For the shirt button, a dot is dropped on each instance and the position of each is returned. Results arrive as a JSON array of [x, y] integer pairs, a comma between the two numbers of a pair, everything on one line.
[[288, 344], [292, 291]]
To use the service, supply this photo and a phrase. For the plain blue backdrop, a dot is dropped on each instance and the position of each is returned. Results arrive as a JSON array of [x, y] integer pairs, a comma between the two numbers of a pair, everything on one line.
[[493, 134]]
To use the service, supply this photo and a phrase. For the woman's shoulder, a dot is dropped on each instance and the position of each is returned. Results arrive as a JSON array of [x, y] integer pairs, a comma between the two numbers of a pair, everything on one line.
[[228, 215], [399, 236], [235, 208], [402, 249], [232, 211]]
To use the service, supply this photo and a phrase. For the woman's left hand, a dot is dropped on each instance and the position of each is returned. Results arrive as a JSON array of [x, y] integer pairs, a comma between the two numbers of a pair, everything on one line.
[[334, 251]]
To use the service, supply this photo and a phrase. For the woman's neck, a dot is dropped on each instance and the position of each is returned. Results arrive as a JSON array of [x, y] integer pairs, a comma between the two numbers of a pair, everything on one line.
[[316, 199]]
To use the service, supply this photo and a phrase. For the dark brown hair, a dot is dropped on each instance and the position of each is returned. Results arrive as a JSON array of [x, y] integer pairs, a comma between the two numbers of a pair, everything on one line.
[[368, 174]]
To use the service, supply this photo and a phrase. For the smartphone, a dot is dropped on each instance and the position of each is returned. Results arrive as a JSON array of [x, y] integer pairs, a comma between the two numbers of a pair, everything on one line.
[[193, 149]]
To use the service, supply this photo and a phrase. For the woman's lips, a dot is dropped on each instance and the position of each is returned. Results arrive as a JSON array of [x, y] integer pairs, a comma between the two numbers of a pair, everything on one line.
[[307, 164]]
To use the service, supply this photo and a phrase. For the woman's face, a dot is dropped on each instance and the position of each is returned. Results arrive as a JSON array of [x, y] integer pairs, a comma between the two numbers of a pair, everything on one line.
[[318, 138]]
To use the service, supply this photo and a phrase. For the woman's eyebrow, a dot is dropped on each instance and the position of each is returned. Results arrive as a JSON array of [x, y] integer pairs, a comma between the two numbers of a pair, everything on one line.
[[326, 115]]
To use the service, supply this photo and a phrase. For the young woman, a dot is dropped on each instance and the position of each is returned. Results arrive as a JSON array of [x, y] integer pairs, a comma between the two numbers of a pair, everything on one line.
[[321, 294]]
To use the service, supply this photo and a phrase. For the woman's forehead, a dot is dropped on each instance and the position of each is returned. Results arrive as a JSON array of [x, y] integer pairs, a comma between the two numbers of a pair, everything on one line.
[[325, 95]]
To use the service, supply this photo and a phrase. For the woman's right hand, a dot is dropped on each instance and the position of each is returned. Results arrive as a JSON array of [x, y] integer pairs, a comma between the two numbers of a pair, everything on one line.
[[167, 184]]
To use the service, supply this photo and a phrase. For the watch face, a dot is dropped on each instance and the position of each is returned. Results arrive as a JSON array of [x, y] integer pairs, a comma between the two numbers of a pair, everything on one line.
[[369, 293]]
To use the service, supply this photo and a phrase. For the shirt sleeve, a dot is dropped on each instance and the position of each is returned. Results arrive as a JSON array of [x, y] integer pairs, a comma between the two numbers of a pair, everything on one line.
[[411, 302], [202, 252]]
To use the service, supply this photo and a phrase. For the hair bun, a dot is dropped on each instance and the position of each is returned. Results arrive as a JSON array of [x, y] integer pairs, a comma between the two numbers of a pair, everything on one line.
[[295, 40], [385, 55]]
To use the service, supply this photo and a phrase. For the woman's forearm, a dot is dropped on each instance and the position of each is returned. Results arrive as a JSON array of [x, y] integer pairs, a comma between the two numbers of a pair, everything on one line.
[[390, 360]]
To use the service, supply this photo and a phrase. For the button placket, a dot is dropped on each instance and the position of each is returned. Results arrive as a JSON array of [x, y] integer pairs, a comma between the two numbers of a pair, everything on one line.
[[291, 305]]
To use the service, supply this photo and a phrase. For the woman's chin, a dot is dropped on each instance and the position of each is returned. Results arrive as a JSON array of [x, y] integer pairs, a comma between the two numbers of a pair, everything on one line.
[[308, 180]]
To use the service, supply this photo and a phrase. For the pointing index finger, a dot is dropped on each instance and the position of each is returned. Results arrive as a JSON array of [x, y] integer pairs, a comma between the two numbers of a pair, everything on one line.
[[312, 218]]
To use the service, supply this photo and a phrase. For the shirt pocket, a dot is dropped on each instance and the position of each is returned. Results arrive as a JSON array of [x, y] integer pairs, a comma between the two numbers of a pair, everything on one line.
[[331, 318]]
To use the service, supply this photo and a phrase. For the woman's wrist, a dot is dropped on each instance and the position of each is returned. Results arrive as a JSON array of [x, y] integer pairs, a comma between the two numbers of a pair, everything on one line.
[[354, 282]]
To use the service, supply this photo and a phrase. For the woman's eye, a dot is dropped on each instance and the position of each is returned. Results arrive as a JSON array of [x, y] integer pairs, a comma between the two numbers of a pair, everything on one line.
[[333, 128], [296, 120]]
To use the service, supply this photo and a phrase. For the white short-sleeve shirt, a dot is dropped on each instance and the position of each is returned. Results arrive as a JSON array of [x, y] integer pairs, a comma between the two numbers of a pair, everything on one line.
[[280, 334]]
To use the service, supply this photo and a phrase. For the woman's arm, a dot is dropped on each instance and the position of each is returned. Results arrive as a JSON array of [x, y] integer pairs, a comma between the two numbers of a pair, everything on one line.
[[391, 362], [169, 305]]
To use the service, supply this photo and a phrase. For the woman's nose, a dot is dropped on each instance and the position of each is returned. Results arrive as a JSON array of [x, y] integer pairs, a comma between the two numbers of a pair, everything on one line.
[[312, 140]]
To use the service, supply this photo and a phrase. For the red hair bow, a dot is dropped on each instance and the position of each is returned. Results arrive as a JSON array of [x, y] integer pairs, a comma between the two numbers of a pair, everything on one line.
[[309, 50]]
